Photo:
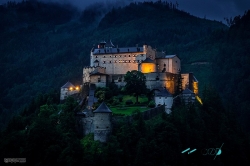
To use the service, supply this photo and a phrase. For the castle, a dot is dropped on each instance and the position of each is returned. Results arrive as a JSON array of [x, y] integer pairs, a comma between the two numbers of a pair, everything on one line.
[[109, 64]]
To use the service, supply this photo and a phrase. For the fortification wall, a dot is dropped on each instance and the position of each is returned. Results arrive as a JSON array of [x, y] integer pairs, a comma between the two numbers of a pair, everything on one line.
[[159, 79], [88, 125], [86, 76], [98, 80], [150, 53]]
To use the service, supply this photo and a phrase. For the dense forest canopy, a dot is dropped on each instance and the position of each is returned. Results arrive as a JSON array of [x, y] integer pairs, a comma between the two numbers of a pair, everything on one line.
[[43, 45]]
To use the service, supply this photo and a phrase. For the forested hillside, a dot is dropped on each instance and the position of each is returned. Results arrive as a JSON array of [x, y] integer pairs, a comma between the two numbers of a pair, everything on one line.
[[43, 45], [231, 68]]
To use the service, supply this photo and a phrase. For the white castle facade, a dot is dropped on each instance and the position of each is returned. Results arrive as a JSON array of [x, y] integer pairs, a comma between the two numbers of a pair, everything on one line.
[[110, 64]]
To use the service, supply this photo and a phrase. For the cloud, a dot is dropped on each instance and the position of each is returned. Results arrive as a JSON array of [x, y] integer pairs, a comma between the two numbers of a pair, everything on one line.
[[215, 9], [211, 9]]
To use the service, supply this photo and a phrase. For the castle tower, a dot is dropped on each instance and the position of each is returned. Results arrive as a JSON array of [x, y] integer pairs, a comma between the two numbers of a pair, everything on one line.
[[102, 123], [67, 90]]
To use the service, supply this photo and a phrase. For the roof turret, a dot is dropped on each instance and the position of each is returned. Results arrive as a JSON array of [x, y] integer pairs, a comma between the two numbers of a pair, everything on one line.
[[103, 108], [68, 85], [148, 60], [162, 92], [187, 91]]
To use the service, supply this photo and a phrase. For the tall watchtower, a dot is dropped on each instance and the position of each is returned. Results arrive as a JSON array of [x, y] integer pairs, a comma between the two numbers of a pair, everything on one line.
[[102, 123]]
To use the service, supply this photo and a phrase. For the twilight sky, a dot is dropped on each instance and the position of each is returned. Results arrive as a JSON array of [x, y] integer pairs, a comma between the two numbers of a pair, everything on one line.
[[211, 9]]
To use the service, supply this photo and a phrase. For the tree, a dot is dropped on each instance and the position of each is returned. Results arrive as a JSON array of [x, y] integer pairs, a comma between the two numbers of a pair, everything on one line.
[[135, 83]]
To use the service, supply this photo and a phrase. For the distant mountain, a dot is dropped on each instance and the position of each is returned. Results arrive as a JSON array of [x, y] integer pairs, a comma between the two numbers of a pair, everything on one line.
[[43, 45]]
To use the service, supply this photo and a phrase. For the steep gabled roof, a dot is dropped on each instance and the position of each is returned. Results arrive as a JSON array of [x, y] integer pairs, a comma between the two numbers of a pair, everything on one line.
[[187, 91], [148, 60], [170, 56], [103, 108], [68, 85], [162, 92]]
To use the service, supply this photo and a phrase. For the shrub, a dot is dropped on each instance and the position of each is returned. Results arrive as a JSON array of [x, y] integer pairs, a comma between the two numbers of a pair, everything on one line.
[[129, 102], [151, 104], [120, 97], [115, 102]]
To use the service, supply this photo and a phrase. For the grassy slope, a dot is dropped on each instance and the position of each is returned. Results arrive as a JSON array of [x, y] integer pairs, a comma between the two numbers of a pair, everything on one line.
[[122, 108]]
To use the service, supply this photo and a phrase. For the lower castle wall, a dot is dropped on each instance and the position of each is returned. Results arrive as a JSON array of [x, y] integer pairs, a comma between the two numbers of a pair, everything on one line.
[[88, 125]]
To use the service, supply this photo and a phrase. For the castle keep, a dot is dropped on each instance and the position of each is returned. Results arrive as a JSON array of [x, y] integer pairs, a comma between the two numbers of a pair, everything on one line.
[[109, 64]]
